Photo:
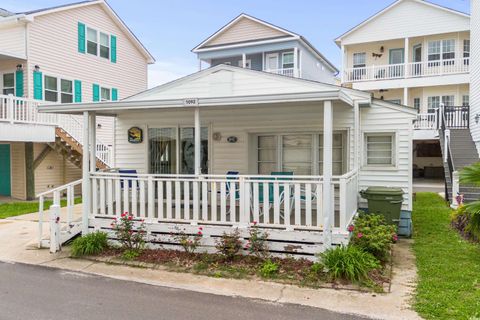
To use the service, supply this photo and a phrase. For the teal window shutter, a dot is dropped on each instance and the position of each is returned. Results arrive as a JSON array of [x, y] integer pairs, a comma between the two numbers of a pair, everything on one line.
[[37, 85], [114, 94], [96, 92], [78, 91], [113, 48], [81, 37], [19, 83]]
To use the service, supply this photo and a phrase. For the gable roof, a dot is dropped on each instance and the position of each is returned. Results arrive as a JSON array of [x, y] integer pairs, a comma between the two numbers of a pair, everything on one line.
[[277, 34], [113, 15], [391, 7]]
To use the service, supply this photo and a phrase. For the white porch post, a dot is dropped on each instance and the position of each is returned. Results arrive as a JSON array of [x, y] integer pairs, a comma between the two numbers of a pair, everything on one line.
[[295, 62], [405, 96], [85, 173], [327, 173], [244, 60], [93, 142], [344, 64], [197, 141], [406, 58], [356, 133], [199, 64]]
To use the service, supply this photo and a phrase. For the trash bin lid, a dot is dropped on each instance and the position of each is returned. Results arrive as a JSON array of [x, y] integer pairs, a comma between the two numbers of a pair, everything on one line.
[[388, 191]]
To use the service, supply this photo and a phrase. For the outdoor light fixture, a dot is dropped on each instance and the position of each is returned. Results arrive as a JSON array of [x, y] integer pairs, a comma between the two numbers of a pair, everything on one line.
[[19, 67], [477, 118], [37, 67]]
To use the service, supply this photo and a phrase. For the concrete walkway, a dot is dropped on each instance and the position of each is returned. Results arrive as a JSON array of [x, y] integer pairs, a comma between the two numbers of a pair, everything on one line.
[[17, 244]]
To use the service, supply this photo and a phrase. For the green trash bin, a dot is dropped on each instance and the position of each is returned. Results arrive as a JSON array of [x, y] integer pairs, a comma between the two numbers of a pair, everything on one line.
[[385, 201]]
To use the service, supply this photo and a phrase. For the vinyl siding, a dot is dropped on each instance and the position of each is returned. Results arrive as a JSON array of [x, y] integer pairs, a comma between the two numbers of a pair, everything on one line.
[[475, 72], [408, 19], [53, 171], [18, 170], [54, 47], [13, 41], [244, 123], [244, 30]]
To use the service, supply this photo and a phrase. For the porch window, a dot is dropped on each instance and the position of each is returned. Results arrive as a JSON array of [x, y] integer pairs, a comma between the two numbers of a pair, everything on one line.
[[441, 50], [380, 149], [92, 41], [8, 83], [448, 101], [359, 60], [433, 103], [287, 60], [51, 89], [466, 51], [300, 153], [416, 103], [434, 49], [465, 100]]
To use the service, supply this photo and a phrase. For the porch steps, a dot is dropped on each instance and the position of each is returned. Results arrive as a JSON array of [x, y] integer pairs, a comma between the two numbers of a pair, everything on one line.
[[464, 153], [69, 147]]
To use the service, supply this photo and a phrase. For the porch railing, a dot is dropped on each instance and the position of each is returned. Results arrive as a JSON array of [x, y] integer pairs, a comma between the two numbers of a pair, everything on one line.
[[289, 72], [407, 70], [23, 110], [426, 121], [285, 202]]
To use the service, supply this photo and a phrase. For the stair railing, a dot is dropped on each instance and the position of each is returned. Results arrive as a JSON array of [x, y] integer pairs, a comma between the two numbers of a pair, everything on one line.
[[447, 156]]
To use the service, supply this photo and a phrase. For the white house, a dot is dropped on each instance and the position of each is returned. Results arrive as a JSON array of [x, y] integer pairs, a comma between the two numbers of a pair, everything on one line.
[[417, 53], [228, 146], [79, 52]]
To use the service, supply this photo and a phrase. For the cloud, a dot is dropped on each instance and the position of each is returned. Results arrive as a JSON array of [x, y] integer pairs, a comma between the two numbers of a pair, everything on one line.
[[166, 71]]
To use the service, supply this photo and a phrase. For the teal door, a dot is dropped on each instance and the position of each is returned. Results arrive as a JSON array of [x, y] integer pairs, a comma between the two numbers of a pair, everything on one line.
[[5, 179]]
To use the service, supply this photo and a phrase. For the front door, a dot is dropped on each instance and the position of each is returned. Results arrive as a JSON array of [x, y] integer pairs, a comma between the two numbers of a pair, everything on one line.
[[417, 59], [271, 61], [396, 59], [5, 179]]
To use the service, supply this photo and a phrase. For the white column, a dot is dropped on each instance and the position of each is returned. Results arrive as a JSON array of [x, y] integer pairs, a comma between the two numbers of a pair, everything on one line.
[[197, 141], [327, 173], [356, 133], [93, 142], [406, 58], [295, 62], [85, 173], [199, 64], [244, 60], [405, 96], [344, 64]]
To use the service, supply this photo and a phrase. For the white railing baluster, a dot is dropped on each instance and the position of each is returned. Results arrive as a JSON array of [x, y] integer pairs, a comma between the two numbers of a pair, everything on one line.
[[160, 199], [142, 198], [118, 197], [196, 202], [298, 206], [213, 201], [223, 201], [169, 199], [186, 200], [308, 204], [178, 201], [266, 202], [110, 197], [204, 201], [102, 196], [276, 203], [150, 199], [256, 206], [233, 202], [126, 199], [134, 198]]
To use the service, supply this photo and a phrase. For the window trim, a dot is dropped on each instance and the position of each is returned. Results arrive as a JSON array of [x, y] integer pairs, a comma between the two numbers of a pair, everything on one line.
[[14, 82], [394, 161], [100, 93], [359, 65]]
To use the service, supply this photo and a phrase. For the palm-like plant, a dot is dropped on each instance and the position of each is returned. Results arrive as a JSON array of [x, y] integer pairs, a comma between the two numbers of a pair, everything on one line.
[[471, 175]]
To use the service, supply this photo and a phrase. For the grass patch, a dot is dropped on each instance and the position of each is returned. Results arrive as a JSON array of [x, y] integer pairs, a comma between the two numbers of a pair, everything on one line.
[[13, 209], [448, 266]]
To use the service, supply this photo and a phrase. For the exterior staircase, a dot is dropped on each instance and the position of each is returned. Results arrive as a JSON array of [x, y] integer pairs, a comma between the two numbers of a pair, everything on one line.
[[458, 151]]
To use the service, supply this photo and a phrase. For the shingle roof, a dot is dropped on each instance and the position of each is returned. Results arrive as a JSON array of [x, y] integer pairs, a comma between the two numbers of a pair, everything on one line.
[[55, 7]]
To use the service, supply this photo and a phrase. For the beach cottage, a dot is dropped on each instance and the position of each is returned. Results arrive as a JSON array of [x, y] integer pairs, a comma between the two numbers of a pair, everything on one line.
[[228, 146]]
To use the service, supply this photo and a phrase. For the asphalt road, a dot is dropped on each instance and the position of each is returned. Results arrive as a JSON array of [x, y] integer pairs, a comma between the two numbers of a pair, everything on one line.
[[40, 293]]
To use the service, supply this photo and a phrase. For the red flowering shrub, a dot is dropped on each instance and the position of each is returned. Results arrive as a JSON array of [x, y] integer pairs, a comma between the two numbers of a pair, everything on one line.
[[129, 238], [188, 242], [229, 244]]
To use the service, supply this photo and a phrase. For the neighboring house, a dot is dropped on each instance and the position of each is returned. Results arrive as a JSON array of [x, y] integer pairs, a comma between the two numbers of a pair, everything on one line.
[[227, 146], [254, 44], [80, 52], [417, 54]]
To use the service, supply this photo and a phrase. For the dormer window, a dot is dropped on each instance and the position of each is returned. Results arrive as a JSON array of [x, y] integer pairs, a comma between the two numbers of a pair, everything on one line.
[[92, 41]]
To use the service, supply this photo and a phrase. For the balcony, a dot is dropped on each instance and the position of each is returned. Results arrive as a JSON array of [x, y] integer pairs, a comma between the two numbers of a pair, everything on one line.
[[452, 117], [289, 72], [407, 70]]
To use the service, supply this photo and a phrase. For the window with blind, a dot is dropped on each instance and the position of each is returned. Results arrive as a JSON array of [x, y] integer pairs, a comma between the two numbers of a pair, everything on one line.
[[300, 153], [380, 149], [8, 83]]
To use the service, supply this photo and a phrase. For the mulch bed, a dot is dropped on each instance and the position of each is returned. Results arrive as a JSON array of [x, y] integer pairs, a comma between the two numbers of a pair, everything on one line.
[[290, 270]]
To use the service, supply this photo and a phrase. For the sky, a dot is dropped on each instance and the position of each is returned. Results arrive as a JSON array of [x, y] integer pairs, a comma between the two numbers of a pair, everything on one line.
[[170, 29]]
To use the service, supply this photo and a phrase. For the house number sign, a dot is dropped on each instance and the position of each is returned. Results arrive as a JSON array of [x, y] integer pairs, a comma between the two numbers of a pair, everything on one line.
[[190, 102]]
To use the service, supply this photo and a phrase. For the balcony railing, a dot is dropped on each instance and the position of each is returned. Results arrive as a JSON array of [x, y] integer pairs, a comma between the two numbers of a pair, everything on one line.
[[289, 72], [453, 117], [407, 70], [426, 121]]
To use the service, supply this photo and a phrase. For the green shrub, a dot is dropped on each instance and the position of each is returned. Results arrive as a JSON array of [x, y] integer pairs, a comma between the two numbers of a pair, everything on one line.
[[348, 262], [229, 244], [130, 255], [467, 224], [257, 243], [372, 234], [268, 269], [90, 244]]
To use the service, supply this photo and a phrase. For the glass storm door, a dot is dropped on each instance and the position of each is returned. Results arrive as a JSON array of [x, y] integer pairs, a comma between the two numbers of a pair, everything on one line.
[[187, 150]]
